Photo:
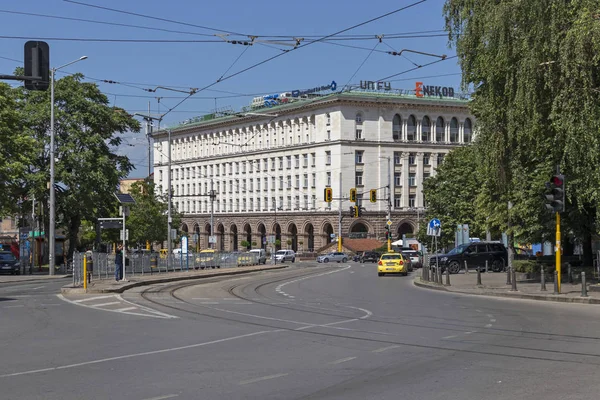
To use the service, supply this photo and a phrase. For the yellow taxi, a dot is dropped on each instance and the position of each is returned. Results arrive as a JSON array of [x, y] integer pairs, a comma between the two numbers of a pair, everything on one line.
[[392, 263]]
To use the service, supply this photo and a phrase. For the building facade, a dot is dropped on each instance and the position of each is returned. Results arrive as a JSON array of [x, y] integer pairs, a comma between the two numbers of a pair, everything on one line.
[[269, 168]]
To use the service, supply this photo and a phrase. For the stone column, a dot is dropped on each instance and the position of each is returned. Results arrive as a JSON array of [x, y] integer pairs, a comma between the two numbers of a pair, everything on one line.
[[447, 132], [461, 132], [434, 163], [419, 130], [403, 134]]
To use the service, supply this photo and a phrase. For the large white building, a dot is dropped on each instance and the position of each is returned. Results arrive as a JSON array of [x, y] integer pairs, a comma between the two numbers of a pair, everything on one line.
[[270, 166]]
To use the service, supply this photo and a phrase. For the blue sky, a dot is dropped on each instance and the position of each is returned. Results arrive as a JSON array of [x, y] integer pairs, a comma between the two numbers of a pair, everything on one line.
[[195, 65]]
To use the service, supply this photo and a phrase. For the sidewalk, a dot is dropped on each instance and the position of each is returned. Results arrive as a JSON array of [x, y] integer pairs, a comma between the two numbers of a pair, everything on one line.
[[111, 286], [27, 278], [494, 284]]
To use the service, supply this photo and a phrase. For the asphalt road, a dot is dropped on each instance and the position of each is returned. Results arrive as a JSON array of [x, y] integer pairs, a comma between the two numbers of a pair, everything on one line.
[[306, 332]]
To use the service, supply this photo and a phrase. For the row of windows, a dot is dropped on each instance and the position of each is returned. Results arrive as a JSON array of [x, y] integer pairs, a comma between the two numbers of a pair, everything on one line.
[[412, 178], [193, 206], [250, 184]]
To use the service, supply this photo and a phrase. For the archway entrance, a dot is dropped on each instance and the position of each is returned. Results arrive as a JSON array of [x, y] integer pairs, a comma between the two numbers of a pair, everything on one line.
[[197, 236], [263, 236], [206, 241], [277, 229], [248, 232], [221, 237], [234, 237], [405, 229], [293, 236], [309, 232], [328, 231]]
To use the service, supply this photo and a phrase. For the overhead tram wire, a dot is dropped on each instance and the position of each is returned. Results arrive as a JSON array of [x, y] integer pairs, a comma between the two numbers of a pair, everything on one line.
[[104, 23], [295, 48], [360, 66], [418, 67], [154, 18]]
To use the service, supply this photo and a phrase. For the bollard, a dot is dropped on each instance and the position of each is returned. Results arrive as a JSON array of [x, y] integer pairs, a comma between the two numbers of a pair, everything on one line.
[[466, 267], [447, 277], [583, 285], [508, 280], [555, 282], [439, 276], [486, 266], [514, 280], [543, 280], [479, 276]]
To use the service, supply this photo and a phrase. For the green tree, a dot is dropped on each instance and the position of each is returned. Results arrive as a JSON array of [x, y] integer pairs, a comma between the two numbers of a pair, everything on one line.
[[88, 168], [17, 148], [452, 193], [533, 66], [148, 218]]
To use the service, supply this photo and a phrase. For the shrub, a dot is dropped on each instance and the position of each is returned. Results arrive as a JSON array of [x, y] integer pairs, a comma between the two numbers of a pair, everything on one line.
[[526, 266]]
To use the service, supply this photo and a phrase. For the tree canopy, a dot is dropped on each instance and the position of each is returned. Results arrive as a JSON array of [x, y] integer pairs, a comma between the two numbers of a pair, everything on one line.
[[534, 69]]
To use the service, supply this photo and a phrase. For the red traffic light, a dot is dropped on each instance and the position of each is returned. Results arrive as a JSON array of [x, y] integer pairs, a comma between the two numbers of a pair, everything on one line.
[[557, 180]]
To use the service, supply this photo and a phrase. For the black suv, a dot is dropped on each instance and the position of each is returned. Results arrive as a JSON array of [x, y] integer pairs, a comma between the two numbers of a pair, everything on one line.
[[475, 254], [369, 256]]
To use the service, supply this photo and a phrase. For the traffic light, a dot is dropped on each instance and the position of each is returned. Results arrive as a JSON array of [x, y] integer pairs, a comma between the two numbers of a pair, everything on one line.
[[37, 65], [555, 198], [353, 195], [373, 195], [328, 194]]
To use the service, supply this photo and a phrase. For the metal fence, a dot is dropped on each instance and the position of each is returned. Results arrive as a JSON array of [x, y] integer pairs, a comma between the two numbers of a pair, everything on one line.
[[102, 265]]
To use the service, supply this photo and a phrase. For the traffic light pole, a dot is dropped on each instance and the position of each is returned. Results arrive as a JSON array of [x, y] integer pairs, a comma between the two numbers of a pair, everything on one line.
[[558, 250], [339, 247]]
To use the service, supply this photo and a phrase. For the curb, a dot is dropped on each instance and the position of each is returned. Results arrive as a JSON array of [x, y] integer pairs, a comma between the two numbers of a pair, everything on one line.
[[536, 297], [56, 277], [166, 279]]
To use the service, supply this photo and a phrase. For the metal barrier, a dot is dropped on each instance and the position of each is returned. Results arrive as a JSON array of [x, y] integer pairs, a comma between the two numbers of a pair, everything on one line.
[[102, 265]]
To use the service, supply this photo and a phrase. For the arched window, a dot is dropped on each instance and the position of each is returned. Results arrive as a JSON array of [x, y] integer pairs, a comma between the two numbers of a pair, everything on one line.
[[397, 127], [359, 119], [453, 130], [439, 129], [426, 129], [468, 128], [411, 128]]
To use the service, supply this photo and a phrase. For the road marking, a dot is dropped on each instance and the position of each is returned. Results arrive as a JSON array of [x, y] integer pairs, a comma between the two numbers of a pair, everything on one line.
[[367, 312], [478, 310], [381, 350], [342, 360], [39, 287], [262, 378], [449, 337], [151, 313], [168, 396], [20, 305], [105, 304], [125, 309], [92, 298], [20, 295], [490, 316], [468, 333], [492, 320], [134, 355], [488, 326], [280, 286]]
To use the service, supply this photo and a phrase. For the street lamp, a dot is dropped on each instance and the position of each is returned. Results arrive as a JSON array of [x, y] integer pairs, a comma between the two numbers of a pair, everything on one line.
[[51, 255]]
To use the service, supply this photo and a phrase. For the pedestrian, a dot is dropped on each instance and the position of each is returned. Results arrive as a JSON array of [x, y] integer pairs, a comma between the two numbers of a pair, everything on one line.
[[119, 263]]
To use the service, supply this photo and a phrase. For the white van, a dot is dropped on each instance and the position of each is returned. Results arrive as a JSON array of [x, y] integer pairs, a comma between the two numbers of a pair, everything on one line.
[[261, 255]]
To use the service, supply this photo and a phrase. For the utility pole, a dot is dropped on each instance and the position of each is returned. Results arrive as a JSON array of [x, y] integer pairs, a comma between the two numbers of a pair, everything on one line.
[[170, 200], [389, 204], [34, 226], [149, 143], [212, 214], [340, 217]]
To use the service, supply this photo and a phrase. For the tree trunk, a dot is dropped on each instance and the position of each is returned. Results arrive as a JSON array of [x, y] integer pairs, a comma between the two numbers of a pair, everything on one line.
[[74, 225]]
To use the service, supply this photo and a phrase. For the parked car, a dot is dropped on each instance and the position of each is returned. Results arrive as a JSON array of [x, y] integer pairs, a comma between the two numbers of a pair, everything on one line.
[[475, 254], [261, 254], [369, 256], [392, 263], [285, 255], [414, 256], [9, 263], [333, 256]]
